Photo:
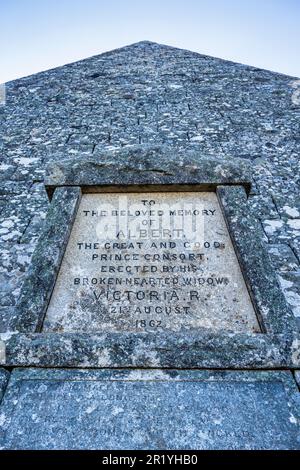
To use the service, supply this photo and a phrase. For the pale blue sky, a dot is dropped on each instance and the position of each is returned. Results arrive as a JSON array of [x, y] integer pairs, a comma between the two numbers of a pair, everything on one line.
[[40, 34]]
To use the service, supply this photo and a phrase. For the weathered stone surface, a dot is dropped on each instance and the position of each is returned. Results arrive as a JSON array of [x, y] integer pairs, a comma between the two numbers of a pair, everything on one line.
[[37, 288], [290, 284], [150, 95], [297, 377], [282, 231], [288, 205], [198, 349], [260, 277], [144, 94], [4, 375], [145, 409], [6, 316], [279, 346], [148, 165], [131, 266], [283, 258]]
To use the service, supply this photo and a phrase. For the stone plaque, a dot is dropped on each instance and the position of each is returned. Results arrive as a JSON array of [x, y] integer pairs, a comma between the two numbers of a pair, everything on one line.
[[150, 262], [147, 409]]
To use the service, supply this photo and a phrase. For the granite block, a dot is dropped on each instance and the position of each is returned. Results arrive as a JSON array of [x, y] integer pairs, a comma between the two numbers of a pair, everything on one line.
[[4, 376], [260, 277], [201, 349], [38, 285], [283, 258], [146, 409], [147, 165]]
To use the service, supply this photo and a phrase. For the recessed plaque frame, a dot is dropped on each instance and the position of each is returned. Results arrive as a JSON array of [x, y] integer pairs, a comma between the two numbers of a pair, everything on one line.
[[277, 346]]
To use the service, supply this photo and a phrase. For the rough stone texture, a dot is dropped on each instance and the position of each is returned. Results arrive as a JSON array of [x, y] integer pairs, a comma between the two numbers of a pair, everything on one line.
[[38, 285], [154, 410], [4, 375], [181, 350], [150, 165], [173, 276], [259, 274], [144, 94], [283, 258], [290, 283], [297, 377], [139, 96], [279, 346]]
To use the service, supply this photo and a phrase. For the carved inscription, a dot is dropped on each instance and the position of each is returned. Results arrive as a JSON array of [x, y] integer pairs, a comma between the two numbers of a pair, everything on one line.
[[150, 262]]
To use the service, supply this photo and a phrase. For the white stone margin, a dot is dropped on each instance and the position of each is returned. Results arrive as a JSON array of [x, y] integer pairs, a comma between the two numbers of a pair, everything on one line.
[[2, 94], [2, 352], [296, 92]]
